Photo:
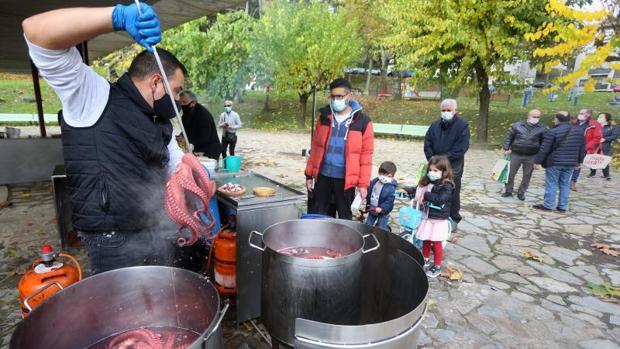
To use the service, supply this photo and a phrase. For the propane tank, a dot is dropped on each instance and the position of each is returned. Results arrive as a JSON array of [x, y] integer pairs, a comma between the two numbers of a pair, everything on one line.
[[225, 246], [45, 277]]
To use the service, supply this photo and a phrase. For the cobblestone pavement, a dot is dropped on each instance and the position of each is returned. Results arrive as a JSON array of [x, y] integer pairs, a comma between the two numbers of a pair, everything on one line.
[[504, 300]]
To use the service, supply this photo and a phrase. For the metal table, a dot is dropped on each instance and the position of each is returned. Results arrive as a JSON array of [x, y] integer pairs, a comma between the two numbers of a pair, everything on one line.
[[255, 213]]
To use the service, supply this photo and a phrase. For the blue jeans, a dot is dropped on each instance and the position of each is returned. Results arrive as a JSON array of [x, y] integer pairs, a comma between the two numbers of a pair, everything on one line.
[[382, 221], [557, 176]]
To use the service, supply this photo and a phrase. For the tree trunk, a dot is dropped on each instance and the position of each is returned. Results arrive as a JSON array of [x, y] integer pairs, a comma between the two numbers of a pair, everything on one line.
[[485, 100], [368, 76], [303, 102], [267, 96], [396, 91], [384, 63]]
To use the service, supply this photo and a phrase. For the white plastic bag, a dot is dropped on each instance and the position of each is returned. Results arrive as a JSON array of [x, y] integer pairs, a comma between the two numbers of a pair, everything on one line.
[[357, 202]]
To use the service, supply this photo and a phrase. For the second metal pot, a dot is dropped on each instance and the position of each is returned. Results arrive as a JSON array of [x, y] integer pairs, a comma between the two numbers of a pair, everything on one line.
[[314, 289]]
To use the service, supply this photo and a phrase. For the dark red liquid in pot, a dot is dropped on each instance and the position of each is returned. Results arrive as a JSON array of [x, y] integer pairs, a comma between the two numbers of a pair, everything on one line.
[[311, 252], [149, 338]]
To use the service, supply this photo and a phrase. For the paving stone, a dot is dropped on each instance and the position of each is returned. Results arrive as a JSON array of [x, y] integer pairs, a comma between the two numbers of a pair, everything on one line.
[[614, 276], [568, 221], [561, 254], [424, 339], [551, 285], [506, 262], [512, 277], [498, 285], [556, 299], [441, 335], [590, 311], [466, 227], [588, 273], [522, 296], [579, 229], [595, 304], [475, 243], [478, 265], [526, 271], [598, 344], [430, 320], [464, 306], [480, 223], [556, 273]]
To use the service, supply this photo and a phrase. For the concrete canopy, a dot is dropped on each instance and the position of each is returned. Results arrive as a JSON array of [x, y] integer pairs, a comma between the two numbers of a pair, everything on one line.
[[13, 52]]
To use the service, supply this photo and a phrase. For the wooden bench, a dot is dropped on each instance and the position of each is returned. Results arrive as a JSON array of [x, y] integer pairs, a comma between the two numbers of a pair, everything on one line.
[[425, 95], [401, 130]]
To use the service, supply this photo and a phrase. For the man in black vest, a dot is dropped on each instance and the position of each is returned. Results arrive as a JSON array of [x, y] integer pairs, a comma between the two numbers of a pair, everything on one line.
[[117, 138]]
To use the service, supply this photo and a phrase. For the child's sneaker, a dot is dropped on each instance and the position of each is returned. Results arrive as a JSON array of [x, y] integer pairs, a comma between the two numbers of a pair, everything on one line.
[[434, 271], [427, 264]]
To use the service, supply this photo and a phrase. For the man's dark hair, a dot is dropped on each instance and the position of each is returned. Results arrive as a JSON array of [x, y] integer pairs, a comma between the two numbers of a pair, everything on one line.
[[340, 82], [563, 116], [387, 167], [144, 64], [190, 95]]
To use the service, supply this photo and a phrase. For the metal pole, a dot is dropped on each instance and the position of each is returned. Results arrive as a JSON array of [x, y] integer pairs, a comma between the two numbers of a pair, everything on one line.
[[38, 99]]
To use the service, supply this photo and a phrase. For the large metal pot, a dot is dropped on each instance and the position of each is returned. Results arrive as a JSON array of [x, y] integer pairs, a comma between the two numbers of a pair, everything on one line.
[[315, 289], [393, 297], [124, 299]]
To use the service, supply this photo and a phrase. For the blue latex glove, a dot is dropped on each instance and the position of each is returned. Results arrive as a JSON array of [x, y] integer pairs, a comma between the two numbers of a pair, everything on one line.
[[144, 29]]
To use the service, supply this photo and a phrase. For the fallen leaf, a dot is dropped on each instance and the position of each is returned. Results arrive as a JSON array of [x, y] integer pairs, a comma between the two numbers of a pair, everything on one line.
[[531, 255], [453, 273], [26, 194], [430, 303], [601, 246], [604, 290], [610, 252]]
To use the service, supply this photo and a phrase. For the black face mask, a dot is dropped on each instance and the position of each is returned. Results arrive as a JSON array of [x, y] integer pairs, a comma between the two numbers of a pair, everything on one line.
[[186, 108], [163, 107]]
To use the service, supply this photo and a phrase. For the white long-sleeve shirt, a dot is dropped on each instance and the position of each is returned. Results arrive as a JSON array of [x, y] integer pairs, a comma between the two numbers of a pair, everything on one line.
[[232, 119], [82, 92]]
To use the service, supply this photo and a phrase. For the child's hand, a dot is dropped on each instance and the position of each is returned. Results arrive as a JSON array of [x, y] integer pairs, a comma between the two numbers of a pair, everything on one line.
[[378, 209]]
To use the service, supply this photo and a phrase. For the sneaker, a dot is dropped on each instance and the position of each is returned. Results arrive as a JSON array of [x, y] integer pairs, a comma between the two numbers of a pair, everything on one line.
[[542, 208], [560, 210], [507, 194], [591, 175], [427, 264], [521, 197], [434, 271], [608, 178]]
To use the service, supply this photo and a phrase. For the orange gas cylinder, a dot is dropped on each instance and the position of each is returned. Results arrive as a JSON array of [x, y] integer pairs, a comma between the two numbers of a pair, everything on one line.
[[46, 277], [225, 246]]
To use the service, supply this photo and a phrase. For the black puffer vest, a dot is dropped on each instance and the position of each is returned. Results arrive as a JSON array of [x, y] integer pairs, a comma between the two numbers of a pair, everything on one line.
[[117, 167]]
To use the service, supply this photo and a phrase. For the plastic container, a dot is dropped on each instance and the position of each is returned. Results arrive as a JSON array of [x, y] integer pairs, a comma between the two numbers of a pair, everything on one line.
[[233, 163]]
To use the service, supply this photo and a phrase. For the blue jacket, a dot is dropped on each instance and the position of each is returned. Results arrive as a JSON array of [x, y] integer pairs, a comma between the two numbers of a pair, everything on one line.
[[449, 138], [386, 198], [610, 133], [563, 145]]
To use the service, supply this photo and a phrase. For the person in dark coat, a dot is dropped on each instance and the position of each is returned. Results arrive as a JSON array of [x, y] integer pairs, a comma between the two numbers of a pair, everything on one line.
[[562, 150], [610, 134], [380, 198], [522, 143], [449, 136], [200, 126]]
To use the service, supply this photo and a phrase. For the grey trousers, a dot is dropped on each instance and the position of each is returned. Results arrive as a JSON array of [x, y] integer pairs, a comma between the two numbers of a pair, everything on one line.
[[516, 161]]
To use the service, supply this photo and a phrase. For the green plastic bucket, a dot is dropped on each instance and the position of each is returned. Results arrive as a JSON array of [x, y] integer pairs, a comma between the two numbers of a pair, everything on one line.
[[233, 163]]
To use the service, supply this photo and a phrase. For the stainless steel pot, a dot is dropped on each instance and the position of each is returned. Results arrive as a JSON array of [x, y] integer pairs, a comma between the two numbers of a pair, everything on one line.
[[120, 300], [393, 296], [314, 289]]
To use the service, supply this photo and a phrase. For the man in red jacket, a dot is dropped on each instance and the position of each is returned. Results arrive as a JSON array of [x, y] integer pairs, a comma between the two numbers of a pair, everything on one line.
[[341, 153], [593, 133]]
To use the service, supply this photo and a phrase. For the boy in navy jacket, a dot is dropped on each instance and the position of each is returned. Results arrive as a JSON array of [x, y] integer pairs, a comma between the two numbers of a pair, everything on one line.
[[380, 199]]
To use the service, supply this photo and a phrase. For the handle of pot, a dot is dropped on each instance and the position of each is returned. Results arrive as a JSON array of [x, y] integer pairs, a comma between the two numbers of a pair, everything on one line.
[[254, 245], [217, 324], [377, 244], [35, 293]]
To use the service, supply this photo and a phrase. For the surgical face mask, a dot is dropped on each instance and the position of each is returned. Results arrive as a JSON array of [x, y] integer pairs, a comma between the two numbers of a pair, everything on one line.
[[533, 121], [384, 179], [602, 121], [433, 175], [447, 115], [582, 117], [164, 108], [228, 109], [339, 104]]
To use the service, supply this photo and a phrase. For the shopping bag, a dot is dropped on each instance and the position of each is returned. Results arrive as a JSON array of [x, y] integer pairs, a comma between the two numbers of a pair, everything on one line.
[[357, 202], [409, 218], [596, 161], [500, 170]]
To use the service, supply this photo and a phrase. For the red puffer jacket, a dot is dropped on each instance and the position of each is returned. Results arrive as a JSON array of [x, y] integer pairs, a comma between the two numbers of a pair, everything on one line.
[[359, 147]]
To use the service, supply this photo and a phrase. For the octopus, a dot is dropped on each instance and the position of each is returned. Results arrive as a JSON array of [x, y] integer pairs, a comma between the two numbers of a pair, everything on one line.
[[311, 252], [187, 198], [143, 338]]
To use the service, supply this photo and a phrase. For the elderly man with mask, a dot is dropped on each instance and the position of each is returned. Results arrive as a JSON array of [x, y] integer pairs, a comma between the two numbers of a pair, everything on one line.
[[117, 137], [449, 136], [522, 143], [592, 132]]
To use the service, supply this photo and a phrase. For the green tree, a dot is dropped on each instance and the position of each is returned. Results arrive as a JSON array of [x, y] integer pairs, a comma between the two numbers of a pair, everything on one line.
[[306, 43], [217, 56], [462, 41]]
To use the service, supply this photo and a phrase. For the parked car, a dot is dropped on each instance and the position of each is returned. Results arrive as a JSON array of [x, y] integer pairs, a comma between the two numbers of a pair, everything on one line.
[[356, 70], [541, 84]]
